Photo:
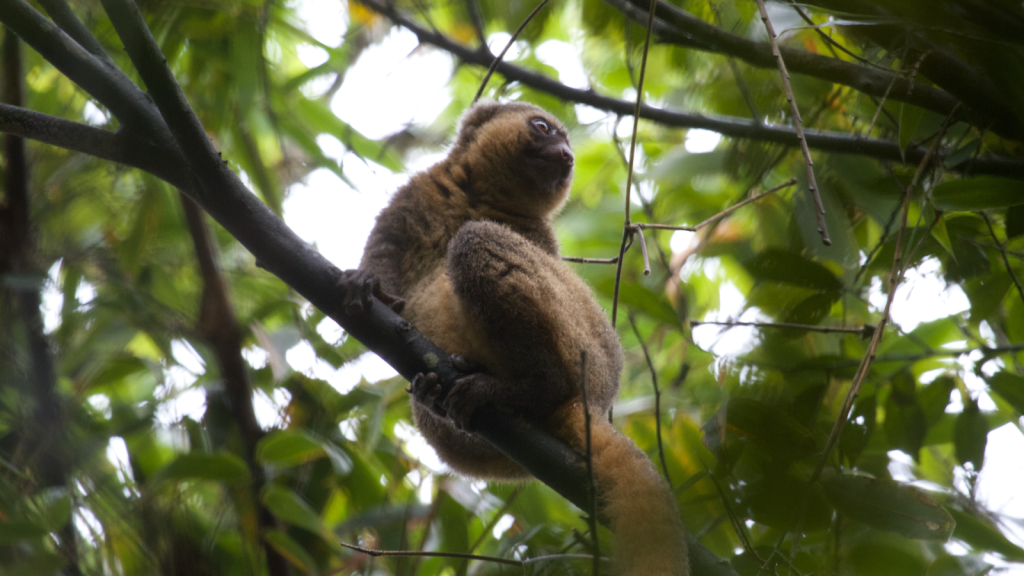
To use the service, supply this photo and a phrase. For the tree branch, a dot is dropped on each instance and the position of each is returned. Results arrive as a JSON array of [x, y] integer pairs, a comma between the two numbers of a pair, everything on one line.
[[728, 126], [676, 26], [962, 80], [207, 180]]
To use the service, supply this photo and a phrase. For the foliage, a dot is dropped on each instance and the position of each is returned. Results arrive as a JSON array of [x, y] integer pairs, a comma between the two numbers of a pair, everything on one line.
[[745, 412]]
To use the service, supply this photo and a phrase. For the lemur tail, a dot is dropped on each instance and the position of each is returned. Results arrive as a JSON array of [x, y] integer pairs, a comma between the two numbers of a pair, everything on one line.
[[648, 534]]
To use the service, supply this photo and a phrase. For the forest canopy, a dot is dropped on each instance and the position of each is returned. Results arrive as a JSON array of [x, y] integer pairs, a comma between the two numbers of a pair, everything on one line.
[[829, 376]]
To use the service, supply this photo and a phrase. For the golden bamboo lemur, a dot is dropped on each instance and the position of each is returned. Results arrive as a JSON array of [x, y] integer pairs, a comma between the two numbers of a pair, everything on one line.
[[469, 248]]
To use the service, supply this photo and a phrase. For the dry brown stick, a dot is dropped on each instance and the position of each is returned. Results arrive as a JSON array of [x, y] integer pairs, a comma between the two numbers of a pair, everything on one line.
[[632, 157], [812, 182], [895, 275], [716, 217], [639, 231], [657, 397], [381, 553], [866, 329], [497, 59], [582, 260]]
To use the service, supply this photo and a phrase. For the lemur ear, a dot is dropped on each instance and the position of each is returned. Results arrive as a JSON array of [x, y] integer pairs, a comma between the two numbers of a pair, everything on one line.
[[479, 114]]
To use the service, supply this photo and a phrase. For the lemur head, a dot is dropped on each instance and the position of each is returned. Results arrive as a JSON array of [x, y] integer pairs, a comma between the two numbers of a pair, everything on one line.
[[514, 157]]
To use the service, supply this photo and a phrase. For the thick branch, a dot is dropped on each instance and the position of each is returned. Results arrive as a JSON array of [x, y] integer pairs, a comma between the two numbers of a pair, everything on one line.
[[221, 330], [676, 26], [47, 431], [737, 128], [963, 80]]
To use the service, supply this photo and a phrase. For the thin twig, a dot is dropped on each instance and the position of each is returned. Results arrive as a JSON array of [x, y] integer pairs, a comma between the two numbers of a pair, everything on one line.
[[863, 330], [582, 260], [812, 183], [830, 42], [1006, 261], [632, 158], [881, 103], [478, 23], [497, 59], [716, 217], [639, 231], [494, 521], [592, 513], [895, 275], [657, 397], [380, 553]]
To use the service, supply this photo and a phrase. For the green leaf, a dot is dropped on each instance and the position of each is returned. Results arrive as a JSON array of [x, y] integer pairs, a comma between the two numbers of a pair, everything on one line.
[[970, 435], [40, 564], [905, 426], [860, 427], [889, 506], [980, 534], [290, 507], [640, 298], [287, 448], [765, 425], [910, 118], [965, 152], [11, 532], [980, 193], [291, 550], [220, 467], [793, 268], [1010, 387], [812, 310], [941, 235]]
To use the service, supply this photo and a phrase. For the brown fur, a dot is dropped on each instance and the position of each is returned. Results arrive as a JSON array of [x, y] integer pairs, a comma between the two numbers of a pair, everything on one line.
[[469, 247]]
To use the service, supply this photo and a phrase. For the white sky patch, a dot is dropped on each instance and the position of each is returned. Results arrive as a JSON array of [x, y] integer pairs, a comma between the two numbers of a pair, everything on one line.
[[563, 57], [416, 445], [393, 84], [496, 42], [324, 211], [270, 410], [680, 240], [187, 356], [734, 341], [312, 56], [117, 454], [325, 20], [181, 402], [330, 331], [923, 296], [256, 357], [998, 471], [302, 358], [88, 526], [699, 141], [502, 525], [101, 403], [52, 298], [588, 115], [901, 466], [93, 115], [85, 294]]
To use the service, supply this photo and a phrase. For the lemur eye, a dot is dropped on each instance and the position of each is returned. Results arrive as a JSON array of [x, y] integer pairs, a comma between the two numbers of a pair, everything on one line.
[[542, 125]]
